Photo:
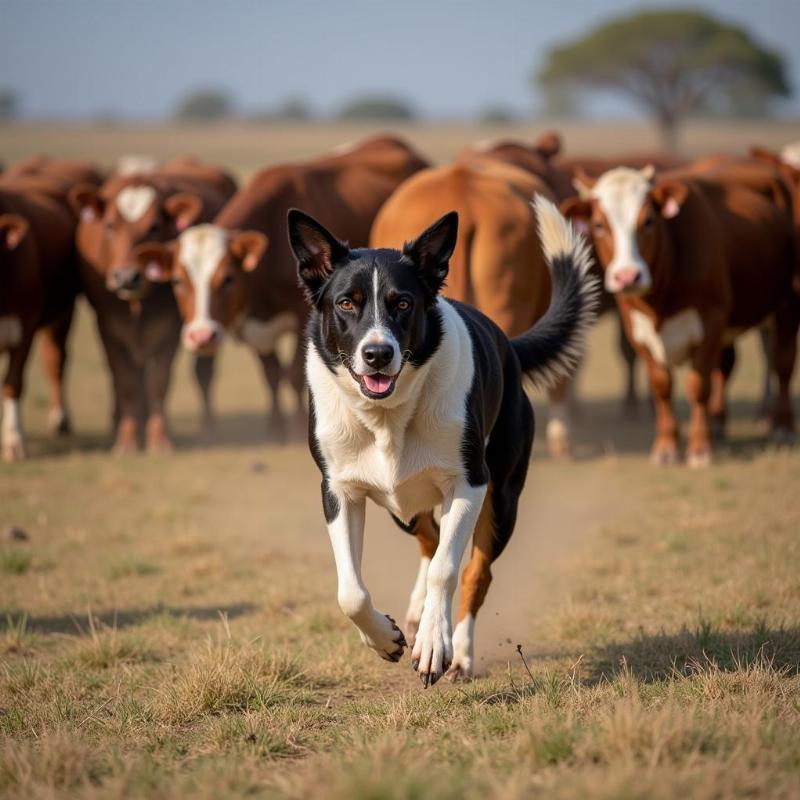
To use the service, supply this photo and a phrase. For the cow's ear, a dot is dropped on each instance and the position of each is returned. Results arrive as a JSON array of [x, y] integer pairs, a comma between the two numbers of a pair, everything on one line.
[[431, 250], [316, 249], [156, 260], [583, 183], [767, 156], [548, 144], [579, 212], [13, 229], [248, 247], [669, 196], [184, 208], [86, 201]]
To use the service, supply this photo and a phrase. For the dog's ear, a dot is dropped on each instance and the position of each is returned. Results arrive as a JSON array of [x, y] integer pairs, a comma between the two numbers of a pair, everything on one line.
[[432, 249], [316, 249]]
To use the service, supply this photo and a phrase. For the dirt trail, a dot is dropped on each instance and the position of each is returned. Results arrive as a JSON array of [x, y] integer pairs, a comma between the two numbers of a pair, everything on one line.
[[562, 507]]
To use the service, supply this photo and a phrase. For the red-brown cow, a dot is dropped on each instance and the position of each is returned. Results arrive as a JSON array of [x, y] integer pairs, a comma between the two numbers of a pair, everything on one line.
[[693, 260], [38, 286], [213, 267], [138, 320]]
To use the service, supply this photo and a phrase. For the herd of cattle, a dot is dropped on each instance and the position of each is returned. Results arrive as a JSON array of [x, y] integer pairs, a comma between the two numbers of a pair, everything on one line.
[[693, 254]]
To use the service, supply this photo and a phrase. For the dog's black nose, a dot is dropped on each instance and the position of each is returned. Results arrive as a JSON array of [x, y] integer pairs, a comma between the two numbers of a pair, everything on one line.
[[377, 355]]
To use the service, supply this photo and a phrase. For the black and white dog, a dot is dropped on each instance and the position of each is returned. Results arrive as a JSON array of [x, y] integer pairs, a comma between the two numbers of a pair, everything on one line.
[[417, 401]]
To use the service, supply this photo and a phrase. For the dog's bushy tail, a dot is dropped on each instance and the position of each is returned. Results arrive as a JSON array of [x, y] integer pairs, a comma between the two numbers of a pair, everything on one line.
[[551, 349]]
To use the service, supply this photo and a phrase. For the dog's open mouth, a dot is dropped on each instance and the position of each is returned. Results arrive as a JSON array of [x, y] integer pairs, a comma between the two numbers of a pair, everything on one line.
[[376, 386]]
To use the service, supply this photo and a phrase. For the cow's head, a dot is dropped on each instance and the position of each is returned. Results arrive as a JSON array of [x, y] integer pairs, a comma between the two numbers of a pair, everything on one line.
[[111, 229], [207, 266], [626, 213]]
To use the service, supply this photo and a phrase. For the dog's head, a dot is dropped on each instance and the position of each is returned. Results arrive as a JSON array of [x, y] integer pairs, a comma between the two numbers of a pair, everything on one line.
[[373, 308]]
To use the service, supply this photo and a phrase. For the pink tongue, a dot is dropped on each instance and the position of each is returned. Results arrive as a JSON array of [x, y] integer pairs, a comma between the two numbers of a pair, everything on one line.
[[378, 384]]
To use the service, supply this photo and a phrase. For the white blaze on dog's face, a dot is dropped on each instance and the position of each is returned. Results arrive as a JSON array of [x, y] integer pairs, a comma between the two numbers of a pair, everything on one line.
[[206, 265], [625, 213], [372, 303]]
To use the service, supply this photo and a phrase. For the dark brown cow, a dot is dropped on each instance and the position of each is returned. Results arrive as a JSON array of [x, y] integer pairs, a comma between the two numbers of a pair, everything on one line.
[[213, 267], [138, 320], [693, 260], [38, 286]]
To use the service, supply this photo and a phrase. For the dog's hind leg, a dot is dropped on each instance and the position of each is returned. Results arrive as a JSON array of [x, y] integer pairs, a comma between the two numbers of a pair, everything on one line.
[[426, 529]]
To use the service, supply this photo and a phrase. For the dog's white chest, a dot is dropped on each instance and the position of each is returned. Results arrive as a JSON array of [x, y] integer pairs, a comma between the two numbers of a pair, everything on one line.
[[673, 343], [404, 477]]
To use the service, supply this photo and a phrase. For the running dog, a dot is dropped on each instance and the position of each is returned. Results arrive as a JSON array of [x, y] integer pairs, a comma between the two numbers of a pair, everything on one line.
[[417, 401]]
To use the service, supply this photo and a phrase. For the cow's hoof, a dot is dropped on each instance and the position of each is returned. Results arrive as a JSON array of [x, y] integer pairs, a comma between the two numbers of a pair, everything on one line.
[[58, 422], [698, 459], [13, 450], [159, 445], [124, 447], [783, 437], [664, 455]]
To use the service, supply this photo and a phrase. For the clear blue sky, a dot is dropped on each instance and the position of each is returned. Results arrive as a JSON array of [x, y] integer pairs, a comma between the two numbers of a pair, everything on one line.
[[72, 58]]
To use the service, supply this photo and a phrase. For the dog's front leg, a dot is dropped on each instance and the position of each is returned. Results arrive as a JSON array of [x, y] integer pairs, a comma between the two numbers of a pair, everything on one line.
[[346, 531], [433, 648]]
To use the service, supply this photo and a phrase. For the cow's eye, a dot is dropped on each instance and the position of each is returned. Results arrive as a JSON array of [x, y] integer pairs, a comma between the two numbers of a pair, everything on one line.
[[648, 222], [228, 280], [346, 304], [403, 304]]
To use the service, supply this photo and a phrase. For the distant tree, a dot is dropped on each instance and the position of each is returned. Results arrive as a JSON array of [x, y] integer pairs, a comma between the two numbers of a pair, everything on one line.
[[376, 107], [204, 105], [292, 110], [496, 115], [672, 63], [8, 103]]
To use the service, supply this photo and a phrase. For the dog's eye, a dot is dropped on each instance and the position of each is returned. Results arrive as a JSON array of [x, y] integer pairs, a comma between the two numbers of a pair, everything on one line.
[[346, 304], [177, 283], [598, 228], [403, 305]]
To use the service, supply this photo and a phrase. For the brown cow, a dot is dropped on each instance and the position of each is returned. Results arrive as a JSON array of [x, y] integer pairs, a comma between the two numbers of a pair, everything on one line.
[[693, 260], [542, 159], [138, 320], [213, 267], [498, 265], [38, 286]]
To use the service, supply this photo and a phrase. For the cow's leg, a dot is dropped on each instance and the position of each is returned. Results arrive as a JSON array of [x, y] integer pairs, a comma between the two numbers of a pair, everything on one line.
[[297, 379], [665, 446], [630, 407], [273, 371], [784, 355], [53, 349], [11, 437], [766, 337], [345, 517], [204, 375], [718, 404], [427, 532], [126, 378], [157, 384], [433, 649], [557, 432]]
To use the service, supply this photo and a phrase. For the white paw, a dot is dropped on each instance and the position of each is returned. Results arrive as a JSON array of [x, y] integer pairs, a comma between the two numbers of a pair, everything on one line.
[[433, 647], [463, 640], [384, 637]]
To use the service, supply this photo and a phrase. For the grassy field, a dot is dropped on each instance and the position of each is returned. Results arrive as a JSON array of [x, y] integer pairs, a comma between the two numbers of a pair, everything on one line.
[[170, 627]]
